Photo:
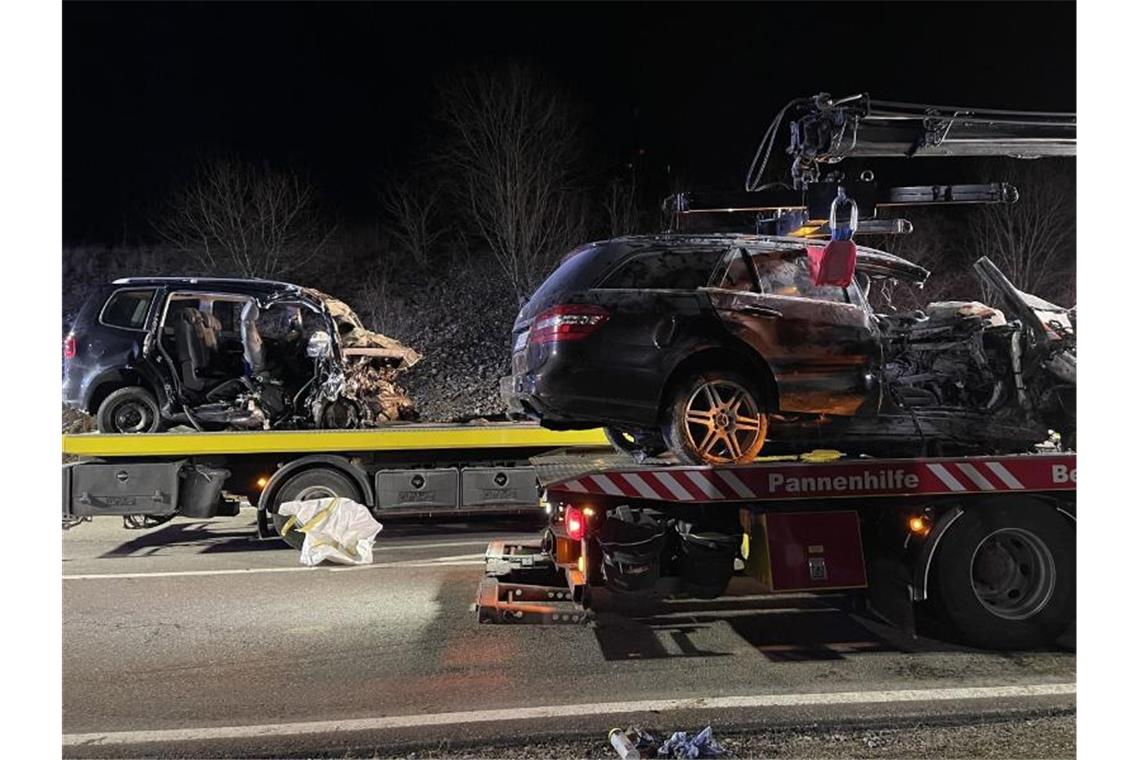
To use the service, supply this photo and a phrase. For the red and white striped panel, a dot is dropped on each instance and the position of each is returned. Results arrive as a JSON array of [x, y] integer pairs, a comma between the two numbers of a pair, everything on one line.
[[835, 479]]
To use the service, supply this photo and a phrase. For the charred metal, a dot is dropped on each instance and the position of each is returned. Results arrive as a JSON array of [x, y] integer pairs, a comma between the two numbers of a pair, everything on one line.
[[230, 354]]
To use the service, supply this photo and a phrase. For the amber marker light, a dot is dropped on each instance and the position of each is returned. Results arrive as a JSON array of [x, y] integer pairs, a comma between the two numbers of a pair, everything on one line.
[[262, 481], [919, 525]]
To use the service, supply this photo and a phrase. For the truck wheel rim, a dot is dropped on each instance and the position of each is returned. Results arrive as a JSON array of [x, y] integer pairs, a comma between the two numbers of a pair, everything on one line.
[[723, 421], [1013, 573], [131, 417], [311, 493]]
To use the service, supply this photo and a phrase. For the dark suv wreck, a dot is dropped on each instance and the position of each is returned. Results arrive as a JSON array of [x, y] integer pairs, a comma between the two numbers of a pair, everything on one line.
[[144, 353], [714, 346]]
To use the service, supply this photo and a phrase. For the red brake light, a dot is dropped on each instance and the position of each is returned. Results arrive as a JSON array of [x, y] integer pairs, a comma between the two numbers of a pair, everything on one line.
[[567, 322], [575, 523], [69, 347]]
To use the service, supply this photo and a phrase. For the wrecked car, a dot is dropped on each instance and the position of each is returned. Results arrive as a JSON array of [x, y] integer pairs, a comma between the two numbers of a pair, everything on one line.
[[716, 346], [217, 354]]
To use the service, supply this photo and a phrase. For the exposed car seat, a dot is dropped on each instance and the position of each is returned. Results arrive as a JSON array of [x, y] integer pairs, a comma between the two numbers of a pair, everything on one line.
[[196, 341], [252, 350]]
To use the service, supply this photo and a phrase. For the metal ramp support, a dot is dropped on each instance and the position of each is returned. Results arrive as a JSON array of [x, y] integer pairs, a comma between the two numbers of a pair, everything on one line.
[[523, 585]]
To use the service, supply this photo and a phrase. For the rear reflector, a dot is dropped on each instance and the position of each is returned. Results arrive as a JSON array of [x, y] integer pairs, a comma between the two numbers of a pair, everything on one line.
[[69, 347], [567, 322]]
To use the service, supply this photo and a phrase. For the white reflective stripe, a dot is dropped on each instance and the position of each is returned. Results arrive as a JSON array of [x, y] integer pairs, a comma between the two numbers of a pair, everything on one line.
[[705, 485], [736, 484], [643, 489], [674, 487], [947, 479], [977, 477], [606, 485], [575, 486], [1004, 475]]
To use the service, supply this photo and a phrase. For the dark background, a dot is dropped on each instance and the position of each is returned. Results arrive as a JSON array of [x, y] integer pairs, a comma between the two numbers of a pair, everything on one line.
[[344, 90]]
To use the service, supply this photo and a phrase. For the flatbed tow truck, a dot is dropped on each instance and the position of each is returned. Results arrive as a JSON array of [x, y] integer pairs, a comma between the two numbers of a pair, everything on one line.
[[983, 543], [401, 470]]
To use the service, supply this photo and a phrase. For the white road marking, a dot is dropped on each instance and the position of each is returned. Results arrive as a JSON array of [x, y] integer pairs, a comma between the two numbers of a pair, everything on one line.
[[947, 479], [457, 560], [446, 545], [565, 711], [465, 559]]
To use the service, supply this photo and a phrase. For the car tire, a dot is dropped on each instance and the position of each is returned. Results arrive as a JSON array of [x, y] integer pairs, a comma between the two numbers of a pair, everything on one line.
[[704, 421], [128, 410], [635, 441], [315, 483], [1005, 574]]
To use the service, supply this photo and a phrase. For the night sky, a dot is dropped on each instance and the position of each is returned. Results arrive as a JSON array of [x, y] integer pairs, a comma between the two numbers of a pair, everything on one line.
[[345, 90]]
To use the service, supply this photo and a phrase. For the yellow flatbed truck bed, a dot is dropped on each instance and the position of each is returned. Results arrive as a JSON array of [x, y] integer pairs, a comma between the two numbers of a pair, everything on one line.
[[405, 437], [406, 469]]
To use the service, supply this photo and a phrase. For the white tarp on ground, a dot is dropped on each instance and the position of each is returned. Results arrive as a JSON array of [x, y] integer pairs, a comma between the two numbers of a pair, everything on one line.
[[339, 530]]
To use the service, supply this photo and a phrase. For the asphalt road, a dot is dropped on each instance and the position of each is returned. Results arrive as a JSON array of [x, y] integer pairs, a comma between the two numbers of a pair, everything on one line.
[[194, 638]]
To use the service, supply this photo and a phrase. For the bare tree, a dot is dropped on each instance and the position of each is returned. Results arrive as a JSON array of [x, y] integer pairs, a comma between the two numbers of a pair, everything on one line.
[[413, 228], [513, 153], [243, 219], [621, 204], [1033, 241], [936, 245]]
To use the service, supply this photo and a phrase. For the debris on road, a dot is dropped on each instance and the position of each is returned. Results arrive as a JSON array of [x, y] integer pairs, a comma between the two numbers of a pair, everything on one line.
[[336, 529], [680, 744], [633, 743]]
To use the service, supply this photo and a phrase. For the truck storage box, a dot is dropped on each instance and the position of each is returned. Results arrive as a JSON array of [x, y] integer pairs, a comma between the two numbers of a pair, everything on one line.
[[499, 487], [201, 491], [134, 488], [804, 551], [631, 543], [417, 489], [707, 559]]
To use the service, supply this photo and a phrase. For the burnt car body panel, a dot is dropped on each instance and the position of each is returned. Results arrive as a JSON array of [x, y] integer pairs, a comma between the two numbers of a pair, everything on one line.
[[834, 366]]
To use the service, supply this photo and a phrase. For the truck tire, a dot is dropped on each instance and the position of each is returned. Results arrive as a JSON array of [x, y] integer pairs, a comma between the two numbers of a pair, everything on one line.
[[128, 410], [706, 417], [1005, 574], [314, 483]]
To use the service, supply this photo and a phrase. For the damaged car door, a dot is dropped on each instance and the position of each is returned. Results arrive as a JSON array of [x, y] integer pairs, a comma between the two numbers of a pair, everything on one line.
[[820, 342]]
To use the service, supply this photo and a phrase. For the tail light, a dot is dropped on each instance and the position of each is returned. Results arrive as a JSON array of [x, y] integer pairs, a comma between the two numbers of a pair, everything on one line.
[[69, 347], [575, 523], [567, 322]]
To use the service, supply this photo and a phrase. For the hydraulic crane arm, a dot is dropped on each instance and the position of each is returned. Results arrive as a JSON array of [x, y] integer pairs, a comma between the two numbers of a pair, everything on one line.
[[826, 131]]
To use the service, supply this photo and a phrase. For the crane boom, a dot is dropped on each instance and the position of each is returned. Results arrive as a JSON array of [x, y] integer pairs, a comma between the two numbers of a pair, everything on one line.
[[824, 131]]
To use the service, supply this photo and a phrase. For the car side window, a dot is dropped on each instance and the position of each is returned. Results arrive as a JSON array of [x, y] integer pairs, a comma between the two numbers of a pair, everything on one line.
[[670, 269], [127, 309], [790, 276], [736, 275], [228, 313]]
